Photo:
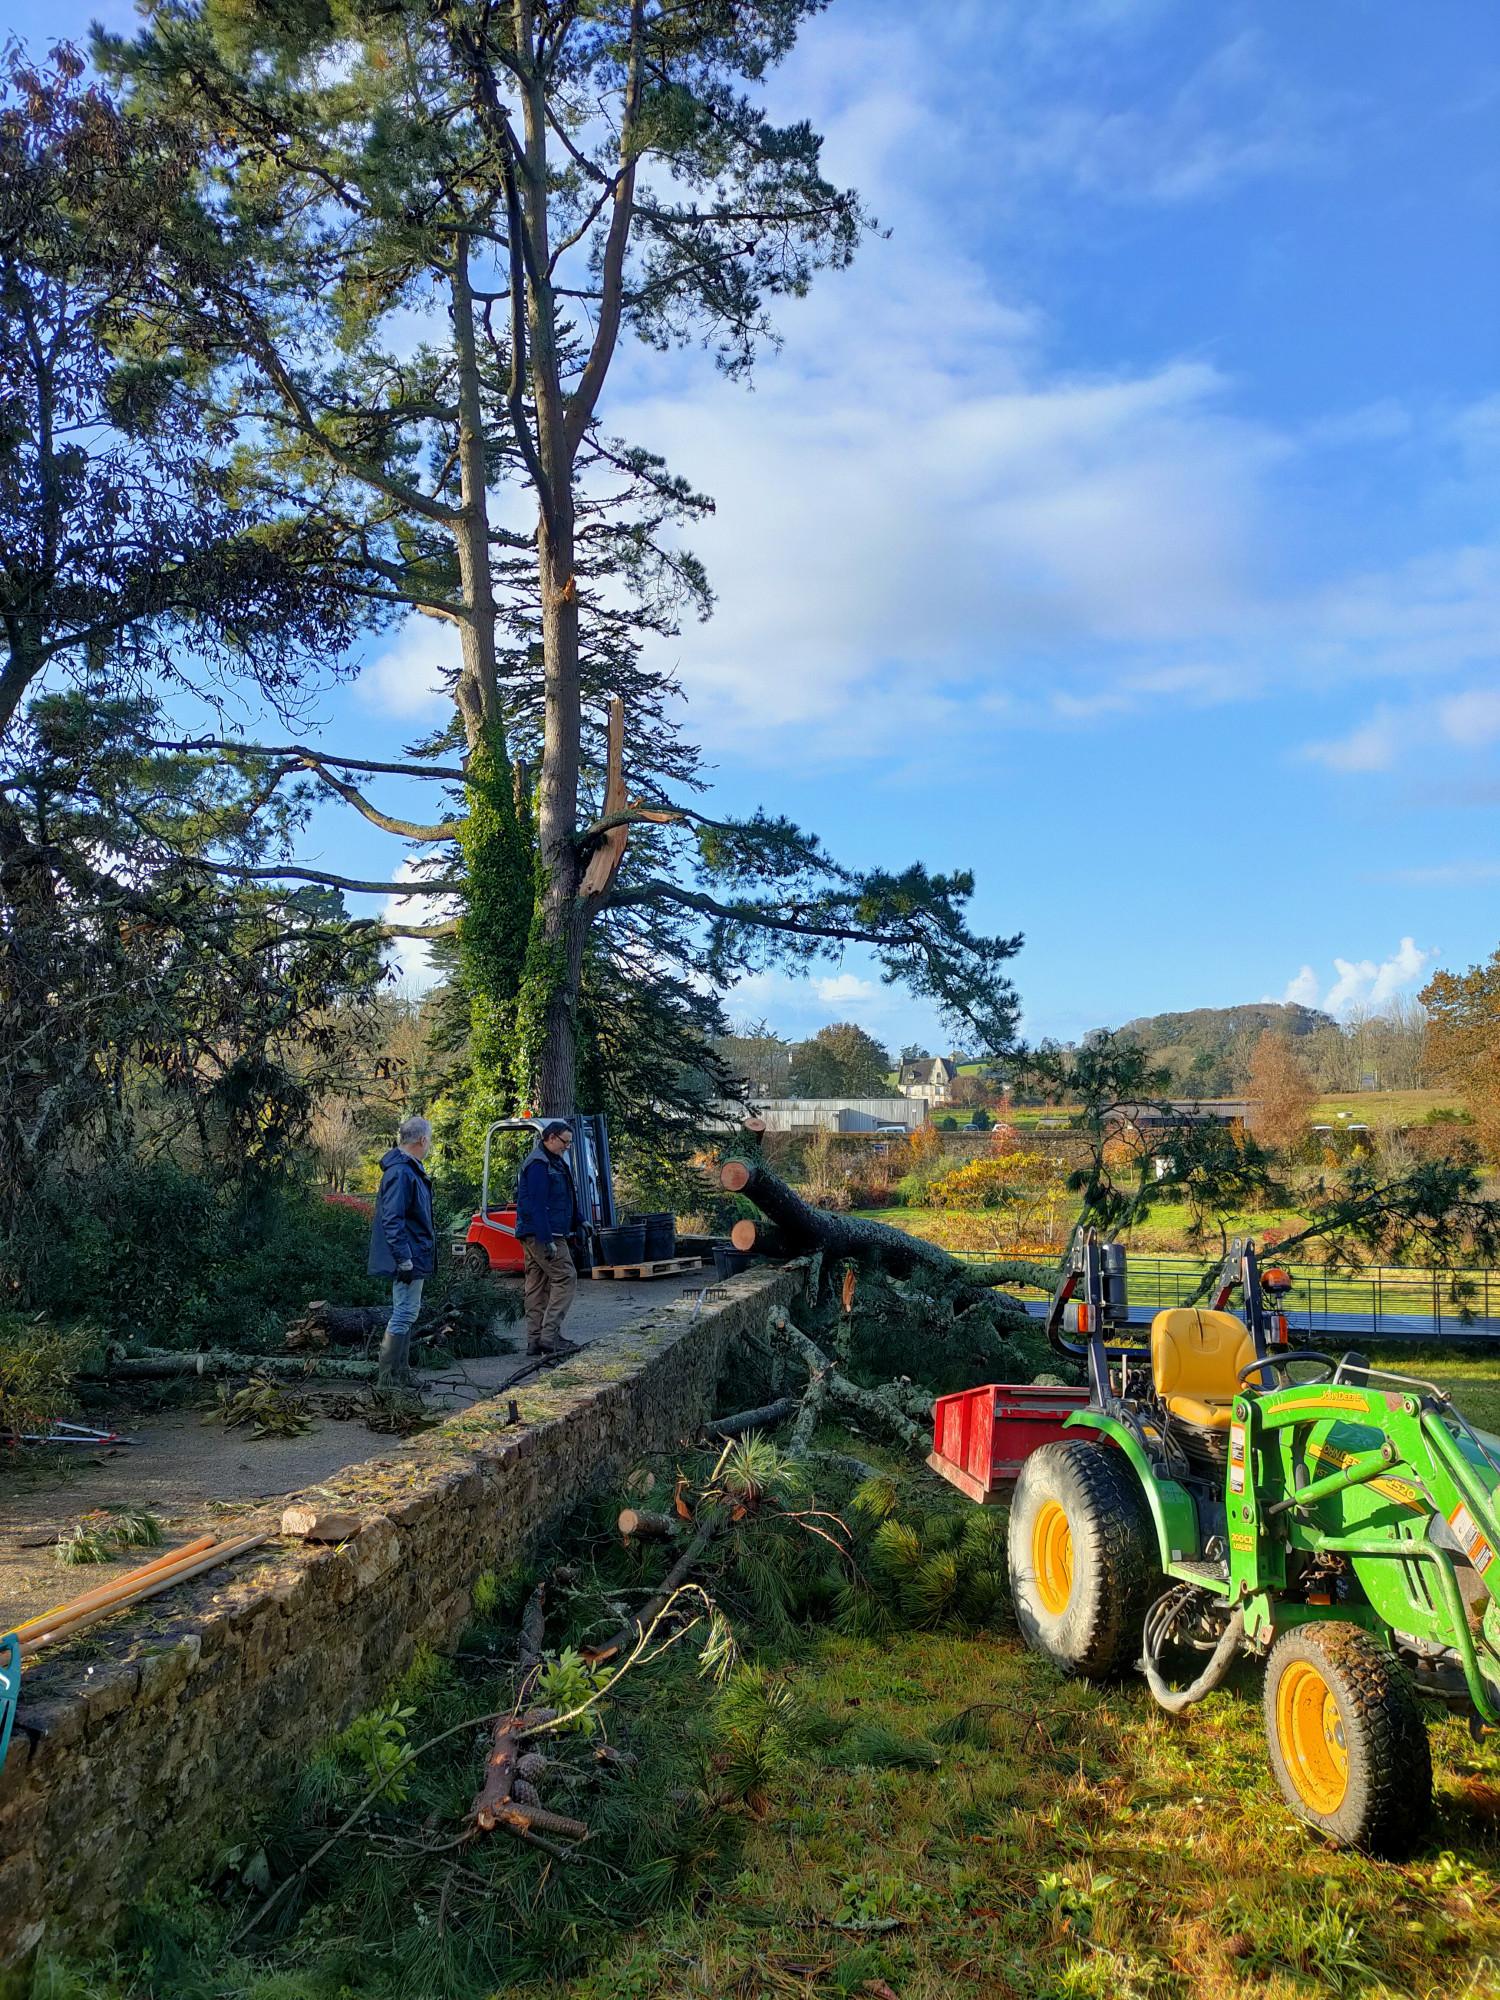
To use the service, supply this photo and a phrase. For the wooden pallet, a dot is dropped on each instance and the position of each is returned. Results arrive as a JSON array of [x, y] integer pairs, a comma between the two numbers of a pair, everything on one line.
[[664, 1267]]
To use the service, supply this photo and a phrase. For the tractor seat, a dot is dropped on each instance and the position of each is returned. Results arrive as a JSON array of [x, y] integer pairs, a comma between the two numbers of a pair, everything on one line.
[[1196, 1357]]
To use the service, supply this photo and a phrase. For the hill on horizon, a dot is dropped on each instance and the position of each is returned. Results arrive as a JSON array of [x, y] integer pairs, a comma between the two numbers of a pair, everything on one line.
[[1207, 1049]]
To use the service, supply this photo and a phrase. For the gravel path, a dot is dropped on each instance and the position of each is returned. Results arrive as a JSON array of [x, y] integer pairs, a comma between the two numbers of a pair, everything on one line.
[[195, 1476]]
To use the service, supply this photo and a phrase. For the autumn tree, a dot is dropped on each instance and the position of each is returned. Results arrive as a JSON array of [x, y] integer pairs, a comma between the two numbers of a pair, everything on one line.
[[840, 1060], [1463, 1043], [1283, 1091]]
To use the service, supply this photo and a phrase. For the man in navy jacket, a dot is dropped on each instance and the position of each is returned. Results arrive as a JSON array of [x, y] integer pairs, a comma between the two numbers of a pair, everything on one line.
[[547, 1214], [403, 1243]]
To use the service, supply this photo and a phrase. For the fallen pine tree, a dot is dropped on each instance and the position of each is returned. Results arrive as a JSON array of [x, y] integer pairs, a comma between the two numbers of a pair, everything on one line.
[[801, 1229]]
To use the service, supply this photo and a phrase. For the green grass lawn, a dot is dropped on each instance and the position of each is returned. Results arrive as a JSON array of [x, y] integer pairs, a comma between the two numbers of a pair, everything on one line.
[[1073, 1844]]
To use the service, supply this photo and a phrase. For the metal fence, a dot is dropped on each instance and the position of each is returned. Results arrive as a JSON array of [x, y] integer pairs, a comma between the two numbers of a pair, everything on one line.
[[1383, 1300]]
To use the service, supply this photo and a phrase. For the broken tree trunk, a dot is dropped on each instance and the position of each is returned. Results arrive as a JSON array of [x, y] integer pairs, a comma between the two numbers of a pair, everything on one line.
[[885, 1409], [744, 1421], [805, 1228], [158, 1366], [322, 1323], [629, 1635], [635, 1521]]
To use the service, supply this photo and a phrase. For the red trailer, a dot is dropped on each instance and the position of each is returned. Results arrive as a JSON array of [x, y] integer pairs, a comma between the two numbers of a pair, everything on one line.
[[981, 1436]]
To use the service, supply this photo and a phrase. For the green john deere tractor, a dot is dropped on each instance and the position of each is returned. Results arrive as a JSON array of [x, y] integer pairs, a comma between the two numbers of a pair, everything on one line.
[[1224, 1494]]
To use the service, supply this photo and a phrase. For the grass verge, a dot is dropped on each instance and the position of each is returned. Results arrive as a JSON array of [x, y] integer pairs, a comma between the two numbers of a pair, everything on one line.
[[889, 1797]]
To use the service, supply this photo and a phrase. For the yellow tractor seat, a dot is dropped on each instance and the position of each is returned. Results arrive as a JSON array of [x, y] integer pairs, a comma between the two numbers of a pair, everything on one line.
[[1196, 1357]]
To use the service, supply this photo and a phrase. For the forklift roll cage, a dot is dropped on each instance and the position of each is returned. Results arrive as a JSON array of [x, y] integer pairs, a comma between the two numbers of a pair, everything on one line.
[[588, 1162]]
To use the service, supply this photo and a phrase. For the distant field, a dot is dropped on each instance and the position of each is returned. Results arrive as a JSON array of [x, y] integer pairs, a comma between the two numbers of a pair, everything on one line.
[[1383, 1107]]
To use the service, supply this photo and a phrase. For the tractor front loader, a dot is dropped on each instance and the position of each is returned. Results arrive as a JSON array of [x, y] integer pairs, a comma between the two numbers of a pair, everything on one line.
[[1223, 1494]]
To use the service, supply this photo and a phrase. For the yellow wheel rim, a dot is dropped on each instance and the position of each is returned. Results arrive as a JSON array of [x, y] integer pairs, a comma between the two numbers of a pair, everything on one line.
[[1052, 1557], [1310, 1737]]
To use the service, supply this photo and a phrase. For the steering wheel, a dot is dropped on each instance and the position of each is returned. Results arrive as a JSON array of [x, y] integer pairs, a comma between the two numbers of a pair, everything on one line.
[[1286, 1360]]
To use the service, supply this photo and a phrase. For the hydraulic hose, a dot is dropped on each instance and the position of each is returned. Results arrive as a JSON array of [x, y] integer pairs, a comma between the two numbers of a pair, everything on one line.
[[1174, 1701]]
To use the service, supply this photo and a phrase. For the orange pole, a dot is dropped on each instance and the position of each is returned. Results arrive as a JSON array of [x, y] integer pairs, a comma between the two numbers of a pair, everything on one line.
[[116, 1584], [149, 1588]]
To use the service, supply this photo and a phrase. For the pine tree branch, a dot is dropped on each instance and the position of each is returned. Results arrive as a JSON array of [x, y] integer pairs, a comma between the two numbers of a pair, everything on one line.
[[445, 885]]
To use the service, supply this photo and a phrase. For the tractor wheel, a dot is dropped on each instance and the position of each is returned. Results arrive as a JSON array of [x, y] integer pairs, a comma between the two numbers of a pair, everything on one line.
[[1347, 1740], [476, 1261], [1083, 1558]]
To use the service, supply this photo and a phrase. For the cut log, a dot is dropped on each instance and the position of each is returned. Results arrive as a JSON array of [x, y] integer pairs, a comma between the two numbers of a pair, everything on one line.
[[742, 1236], [156, 1365], [636, 1522], [745, 1421], [319, 1524], [323, 1323]]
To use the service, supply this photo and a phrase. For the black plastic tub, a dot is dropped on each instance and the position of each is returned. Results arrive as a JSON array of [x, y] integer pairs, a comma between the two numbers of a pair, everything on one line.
[[728, 1261], [625, 1245], [661, 1234]]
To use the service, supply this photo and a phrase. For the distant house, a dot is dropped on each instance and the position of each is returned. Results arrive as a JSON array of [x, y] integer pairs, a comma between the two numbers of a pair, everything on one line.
[[927, 1079]]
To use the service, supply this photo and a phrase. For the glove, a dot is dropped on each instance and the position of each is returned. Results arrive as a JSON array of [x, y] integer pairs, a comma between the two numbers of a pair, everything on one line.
[[405, 1273]]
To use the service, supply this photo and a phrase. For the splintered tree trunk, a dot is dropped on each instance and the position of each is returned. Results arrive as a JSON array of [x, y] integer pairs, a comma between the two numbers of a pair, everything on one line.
[[804, 1228], [477, 692]]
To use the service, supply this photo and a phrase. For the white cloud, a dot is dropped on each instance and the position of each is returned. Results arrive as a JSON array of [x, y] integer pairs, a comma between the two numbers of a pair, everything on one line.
[[1468, 720], [1448, 875], [1363, 984], [1232, 118], [412, 957], [1472, 719], [412, 675], [1372, 746], [843, 987], [1385, 421]]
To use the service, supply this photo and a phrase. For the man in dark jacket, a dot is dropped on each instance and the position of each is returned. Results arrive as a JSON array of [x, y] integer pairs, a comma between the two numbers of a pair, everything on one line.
[[403, 1244], [547, 1214]]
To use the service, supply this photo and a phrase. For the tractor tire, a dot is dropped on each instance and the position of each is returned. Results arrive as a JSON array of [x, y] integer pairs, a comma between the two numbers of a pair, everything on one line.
[[476, 1261], [1083, 1558], [1347, 1741]]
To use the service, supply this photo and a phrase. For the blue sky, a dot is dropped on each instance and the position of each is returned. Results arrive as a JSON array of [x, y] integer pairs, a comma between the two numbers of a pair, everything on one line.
[[1123, 525]]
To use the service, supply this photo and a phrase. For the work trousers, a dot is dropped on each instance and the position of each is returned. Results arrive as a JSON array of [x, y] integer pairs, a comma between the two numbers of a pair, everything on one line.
[[551, 1283], [395, 1349]]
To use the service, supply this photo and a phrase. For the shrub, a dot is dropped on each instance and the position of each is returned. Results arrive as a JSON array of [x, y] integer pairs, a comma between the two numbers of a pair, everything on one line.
[[1026, 1186], [154, 1253], [37, 1367]]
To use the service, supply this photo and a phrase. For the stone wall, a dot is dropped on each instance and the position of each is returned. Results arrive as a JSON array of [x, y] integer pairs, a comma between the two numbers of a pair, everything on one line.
[[132, 1760]]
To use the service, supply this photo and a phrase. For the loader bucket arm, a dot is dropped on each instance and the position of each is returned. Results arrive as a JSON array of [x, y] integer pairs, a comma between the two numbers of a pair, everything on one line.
[[1388, 1475]]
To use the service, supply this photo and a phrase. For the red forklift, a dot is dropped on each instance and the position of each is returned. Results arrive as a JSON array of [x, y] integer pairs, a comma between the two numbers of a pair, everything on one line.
[[490, 1242]]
